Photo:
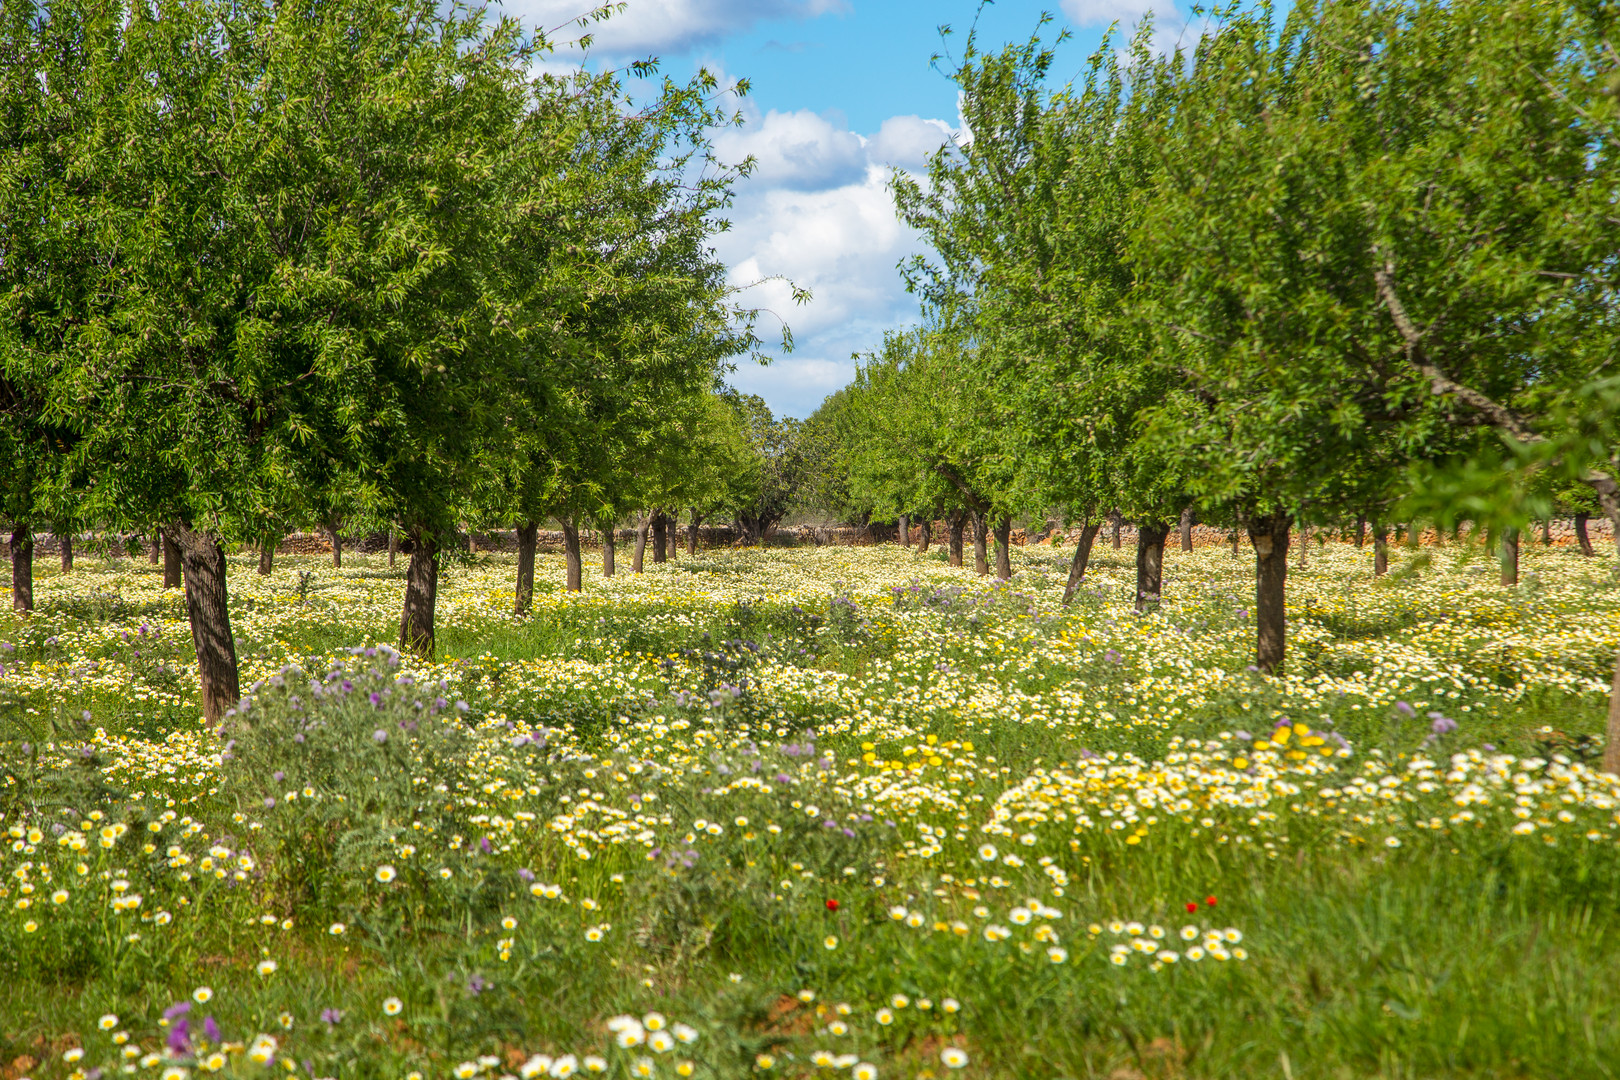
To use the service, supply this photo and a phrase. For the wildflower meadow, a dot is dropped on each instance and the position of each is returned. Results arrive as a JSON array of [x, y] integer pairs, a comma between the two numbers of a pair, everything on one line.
[[830, 812]]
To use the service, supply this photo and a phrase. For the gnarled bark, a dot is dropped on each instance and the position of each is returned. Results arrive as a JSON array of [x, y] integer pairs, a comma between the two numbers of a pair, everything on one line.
[[925, 536], [1082, 557], [171, 561], [904, 530], [208, 606], [1004, 549], [1508, 555], [1269, 533], [659, 522], [692, 533], [574, 572], [1150, 537], [1119, 521], [154, 550], [637, 557], [66, 539], [267, 555], [609, 549], [1361, 530], [22, 569], [416, 621], [527, 534], [393, 546], [1187, 520], [1581, 536], [337, 546], [1380, 549], [981, 551], [954, 524]]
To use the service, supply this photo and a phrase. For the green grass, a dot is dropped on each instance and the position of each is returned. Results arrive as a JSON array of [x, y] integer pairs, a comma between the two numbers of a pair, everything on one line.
[[1384, 938]]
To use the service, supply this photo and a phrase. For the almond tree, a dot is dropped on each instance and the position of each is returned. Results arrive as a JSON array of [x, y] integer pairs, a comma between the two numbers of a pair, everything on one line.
[[1028, 220], [1382, 242]]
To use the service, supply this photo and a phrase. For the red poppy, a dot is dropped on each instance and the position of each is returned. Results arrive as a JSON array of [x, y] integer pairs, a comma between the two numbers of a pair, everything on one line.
[[1192, 905], [1210, 900], [832, 905]]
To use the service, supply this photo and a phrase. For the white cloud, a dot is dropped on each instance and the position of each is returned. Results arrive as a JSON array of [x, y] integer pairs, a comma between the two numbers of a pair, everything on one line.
[[663, 26], [795, 150], [842, 240], [907, 141], [1124, 12]]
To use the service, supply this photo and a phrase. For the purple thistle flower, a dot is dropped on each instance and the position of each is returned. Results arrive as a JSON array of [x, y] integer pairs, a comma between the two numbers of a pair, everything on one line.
[[211, 1029], [1443, 724], [525, 873], [1404, 709], [374, 697], [180, 1037], [380, 735], [179, 1008], [332, 1016], [477, 985]]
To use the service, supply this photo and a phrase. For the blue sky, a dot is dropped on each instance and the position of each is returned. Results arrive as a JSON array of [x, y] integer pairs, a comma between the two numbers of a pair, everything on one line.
[[842, 92]]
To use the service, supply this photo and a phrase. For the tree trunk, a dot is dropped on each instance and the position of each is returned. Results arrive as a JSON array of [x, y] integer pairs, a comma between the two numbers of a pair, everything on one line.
[[905, 530], [1082, 556], [692, 533], [1186, 529], [981, 529], [421, 595], [393, 547], [1581, 536], [1508, 554], [526, 539], [1380, 549], [155, 550], [171, 561], [1546, 532], [1150, 537], [637, 557], [1004, 549], [1119, 520], [22, 569], [1270, 536], [208, 606], [1361, 530], [925, 536], [337, 549], [954, 525], [1304, 544], [574, 566], [267, 555], [658, 531], [66, 541], [1235, 535], [608, 551]]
